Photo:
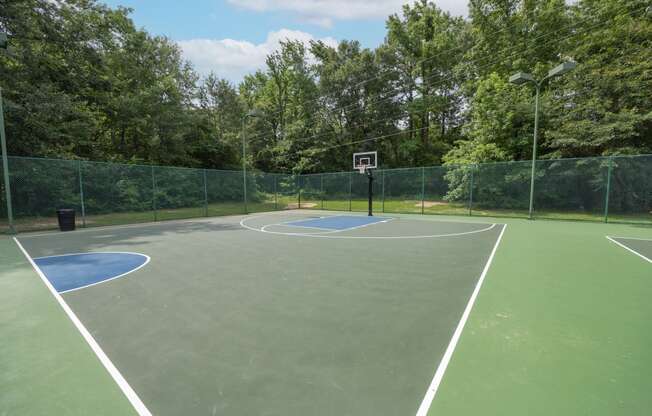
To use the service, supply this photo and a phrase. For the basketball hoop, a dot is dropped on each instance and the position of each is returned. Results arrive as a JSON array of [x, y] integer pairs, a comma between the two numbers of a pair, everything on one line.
[[362, 162], [366, 162]]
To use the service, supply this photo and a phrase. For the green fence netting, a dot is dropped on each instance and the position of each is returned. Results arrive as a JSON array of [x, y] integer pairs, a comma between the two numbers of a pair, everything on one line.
[[501, 188], [312, 191], [337, 191], [401, 190], [630, 189], [617, 188], [41, 186], [571, 188], [117, 194]]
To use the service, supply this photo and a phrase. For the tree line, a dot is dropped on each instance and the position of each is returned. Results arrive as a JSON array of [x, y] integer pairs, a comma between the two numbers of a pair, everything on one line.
[[80, 81]]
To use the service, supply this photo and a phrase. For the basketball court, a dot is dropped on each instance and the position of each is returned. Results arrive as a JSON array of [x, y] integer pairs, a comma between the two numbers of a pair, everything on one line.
[[322, 313], [316, 313]]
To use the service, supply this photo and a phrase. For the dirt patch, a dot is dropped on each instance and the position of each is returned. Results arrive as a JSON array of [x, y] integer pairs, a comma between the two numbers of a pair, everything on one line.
[[430, 204], [295, 205]]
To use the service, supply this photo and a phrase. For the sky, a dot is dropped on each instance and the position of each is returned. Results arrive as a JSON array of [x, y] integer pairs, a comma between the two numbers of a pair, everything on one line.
[[232, 37]]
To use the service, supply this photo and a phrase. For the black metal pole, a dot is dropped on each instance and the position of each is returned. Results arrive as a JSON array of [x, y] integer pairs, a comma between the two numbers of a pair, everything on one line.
[[370, 176]]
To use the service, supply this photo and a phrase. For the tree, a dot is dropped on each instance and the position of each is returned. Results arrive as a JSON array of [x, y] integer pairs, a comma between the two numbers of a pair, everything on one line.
[[428, 44], [605, 107]]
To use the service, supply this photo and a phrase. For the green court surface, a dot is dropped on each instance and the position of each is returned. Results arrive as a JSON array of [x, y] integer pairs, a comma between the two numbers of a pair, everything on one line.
[[253, 315]]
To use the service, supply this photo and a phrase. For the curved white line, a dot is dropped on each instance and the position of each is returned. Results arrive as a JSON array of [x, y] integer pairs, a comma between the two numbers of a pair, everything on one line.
[[147, 260], [90, 252], [400, 237]]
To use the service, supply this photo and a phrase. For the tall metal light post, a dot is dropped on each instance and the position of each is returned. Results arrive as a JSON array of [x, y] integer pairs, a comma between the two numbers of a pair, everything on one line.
[[521, 78], [252, 113], [3, 147]]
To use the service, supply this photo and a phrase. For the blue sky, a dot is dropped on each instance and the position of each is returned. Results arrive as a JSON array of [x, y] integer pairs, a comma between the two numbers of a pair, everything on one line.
[[232, 37]]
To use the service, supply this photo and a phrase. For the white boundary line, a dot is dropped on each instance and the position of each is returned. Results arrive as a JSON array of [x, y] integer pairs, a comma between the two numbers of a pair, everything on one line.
[[131, 395], [321, 235], [443, 364], [630, 249], [147, 260], [632, 238]]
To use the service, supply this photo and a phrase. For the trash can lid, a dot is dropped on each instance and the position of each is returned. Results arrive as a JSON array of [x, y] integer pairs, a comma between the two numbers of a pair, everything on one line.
[[65, 210]]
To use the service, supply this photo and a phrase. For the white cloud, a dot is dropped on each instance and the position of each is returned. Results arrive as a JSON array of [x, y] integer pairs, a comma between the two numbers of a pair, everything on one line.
[[232, 59], [323, 12]]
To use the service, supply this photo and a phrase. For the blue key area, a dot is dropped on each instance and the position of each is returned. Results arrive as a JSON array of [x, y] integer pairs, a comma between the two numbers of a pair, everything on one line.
[[74, 271], [342, 222]]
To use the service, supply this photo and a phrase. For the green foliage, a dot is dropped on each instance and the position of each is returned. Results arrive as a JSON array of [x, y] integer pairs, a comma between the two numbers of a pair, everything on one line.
[[80, 81], [605, 107], [428, 45]]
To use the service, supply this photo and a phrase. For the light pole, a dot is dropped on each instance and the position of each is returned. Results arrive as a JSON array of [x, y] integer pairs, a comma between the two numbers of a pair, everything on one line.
[[251, 113], [3, 147], [521, 78]]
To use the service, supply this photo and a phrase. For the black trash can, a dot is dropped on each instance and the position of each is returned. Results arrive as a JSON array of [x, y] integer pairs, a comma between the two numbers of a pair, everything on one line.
[[66, 219]]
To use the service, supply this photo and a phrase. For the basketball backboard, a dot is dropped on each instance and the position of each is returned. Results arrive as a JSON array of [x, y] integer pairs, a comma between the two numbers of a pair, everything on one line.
[[365, 160]]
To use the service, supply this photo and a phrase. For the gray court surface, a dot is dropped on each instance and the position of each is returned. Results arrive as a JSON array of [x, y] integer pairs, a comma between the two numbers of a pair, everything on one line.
[[252, 316], [639, 246]]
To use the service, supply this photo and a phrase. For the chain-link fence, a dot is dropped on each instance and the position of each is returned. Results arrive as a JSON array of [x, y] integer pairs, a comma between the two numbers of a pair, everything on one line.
[[615, 188], [111, 193]]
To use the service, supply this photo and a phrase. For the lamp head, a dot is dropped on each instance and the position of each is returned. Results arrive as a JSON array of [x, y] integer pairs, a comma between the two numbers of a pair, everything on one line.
[[561, 69], [521, 78]]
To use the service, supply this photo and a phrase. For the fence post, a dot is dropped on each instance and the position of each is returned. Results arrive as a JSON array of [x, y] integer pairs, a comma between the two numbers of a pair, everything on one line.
[[275, 194], [299, 186], [350, 188], [205, 195], [154, 194], [606, 199], [423, 188], [81, 194], [321, 189], [471, 191], [5, 169], [383, 189]]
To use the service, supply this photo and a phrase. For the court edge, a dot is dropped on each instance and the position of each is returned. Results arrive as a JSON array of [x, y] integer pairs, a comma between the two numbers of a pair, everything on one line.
[[443, 364], [129, 392]]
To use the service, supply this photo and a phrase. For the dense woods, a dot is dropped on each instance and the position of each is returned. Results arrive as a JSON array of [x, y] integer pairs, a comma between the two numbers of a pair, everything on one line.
[[80, 81]]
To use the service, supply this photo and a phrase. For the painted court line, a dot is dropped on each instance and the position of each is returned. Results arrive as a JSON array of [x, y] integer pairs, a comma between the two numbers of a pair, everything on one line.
[[398, 215], [443, 364], [147, 260], [321, 235], [630, 249], [131, 395], [633, 238], [283, 224]]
